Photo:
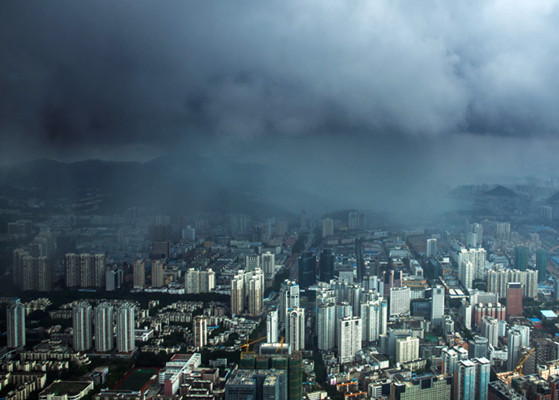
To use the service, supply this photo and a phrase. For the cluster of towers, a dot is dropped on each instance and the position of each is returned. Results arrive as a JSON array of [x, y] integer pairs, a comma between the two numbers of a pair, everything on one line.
[[104, 323]]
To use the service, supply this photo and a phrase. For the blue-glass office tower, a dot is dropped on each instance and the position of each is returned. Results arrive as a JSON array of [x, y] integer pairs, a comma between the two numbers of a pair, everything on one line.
[[326, 265], [307, 269], [541, 264]]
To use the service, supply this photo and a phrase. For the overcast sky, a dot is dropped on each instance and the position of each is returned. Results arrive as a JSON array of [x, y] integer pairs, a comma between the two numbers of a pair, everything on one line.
[[434, 89]]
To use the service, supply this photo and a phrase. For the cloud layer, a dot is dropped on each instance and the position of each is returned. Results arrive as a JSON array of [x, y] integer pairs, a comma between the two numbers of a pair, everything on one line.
[[144, 77]]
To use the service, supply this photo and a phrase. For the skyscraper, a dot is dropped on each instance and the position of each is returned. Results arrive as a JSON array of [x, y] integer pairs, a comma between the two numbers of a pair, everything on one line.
[[72, 266], [255, 292], [521, 258], [407, 349], [437, 305], [327, 227], [374, 319], [87, 272], [289, 298], [326, 326], [514, 299], [15, 316], [514, 345], [272, 326], [483, 370], [104, 329], [139, 274], [157, 269], [98, 270], [125, 325], [237, 294], [431, 247], [477, 347], [490, 330], [295, 330], [326, 265], [268, 264], [465, 380], [349, 340], [200, 332], [541, 264], [307, 269], [399, 300], [81, 323]]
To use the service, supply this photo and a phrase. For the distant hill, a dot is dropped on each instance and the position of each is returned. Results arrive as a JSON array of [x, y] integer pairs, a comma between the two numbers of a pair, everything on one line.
[[173, 183], [501, 191]]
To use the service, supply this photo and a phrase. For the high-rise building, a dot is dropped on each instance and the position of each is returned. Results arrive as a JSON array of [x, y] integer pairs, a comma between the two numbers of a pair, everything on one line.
[[200, 332], [349, 340], [295, 330], [125, 325], [113, 278], [289, 298], [272, 326], [252, 261], [499, 277], [374, 318], [355, 221], [514, 345], [326, 326], [407, 349], [237, 294], [104, 328], [157, 269], [514, 299], [196, 281], [399, 300], [87, 271], [268, 265], [44, 274], [422, 388], [307, 269], [81, 323], [503, 230], [466, 311], [449, 359], [521, 255], [448, 325], [490, 330], [15, 318], [475, 270], [327, 227], [466, 274], [139, 274], [34, 272], [478, 347], [483, 370], [437, 305], [259, 384], [431, 247], [326, 265], [72, 266], [541, 264], [255, 292], [465, 380], [98, 270]]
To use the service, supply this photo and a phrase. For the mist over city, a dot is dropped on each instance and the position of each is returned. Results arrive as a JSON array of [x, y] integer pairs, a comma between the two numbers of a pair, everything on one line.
[[279, 200]]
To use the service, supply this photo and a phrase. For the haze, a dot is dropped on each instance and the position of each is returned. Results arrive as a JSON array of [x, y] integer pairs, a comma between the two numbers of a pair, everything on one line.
[[381, 104]]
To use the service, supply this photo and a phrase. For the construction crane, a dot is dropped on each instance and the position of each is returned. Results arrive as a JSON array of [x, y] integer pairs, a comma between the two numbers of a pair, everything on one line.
[[507, 376], [280, 348], [519, 367], [352, 382], [246, 345], [355, 394]]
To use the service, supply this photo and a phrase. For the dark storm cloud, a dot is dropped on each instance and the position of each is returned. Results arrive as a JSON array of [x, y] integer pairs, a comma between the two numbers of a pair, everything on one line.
[[141, 77]]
